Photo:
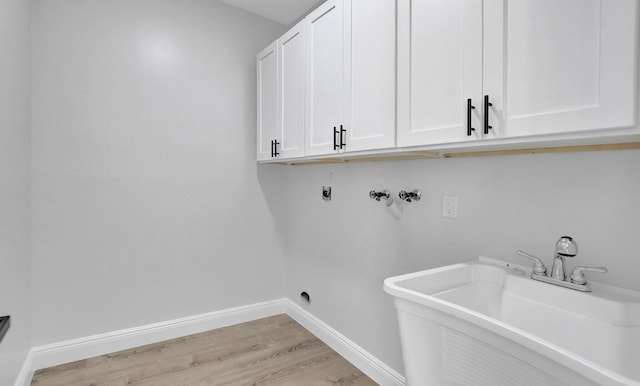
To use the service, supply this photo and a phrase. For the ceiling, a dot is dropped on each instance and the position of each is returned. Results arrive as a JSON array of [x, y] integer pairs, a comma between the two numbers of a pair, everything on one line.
[[282, 11]]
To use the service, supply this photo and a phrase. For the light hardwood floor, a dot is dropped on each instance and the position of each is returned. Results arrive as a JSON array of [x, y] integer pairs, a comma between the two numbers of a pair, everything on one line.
[[270, 351]]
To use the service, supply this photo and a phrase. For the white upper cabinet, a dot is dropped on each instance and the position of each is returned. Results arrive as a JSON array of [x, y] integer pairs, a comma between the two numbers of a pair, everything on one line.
[[439, 71], [530, 68], [371, 65], [325, 41], [350, 71], [291, 92], [560, 66], [267, 74], [280, 71], [373, 77]]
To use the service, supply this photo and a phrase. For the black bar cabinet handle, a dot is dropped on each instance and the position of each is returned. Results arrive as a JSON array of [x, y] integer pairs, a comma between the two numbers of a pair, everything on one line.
[[272, 148], [486, 114], [342, 135], [335, 141], [275, 148], [469, 108]]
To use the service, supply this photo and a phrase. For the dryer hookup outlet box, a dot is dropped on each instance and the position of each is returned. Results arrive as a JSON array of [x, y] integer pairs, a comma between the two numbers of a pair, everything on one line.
[[326, 193]]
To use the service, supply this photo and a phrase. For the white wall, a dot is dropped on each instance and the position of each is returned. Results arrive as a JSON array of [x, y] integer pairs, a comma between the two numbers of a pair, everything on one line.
[[146, 201], [341, 251], [14, 185]]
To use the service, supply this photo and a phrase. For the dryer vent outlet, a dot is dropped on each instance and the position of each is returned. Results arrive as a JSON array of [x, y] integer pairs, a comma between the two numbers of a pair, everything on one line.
[[304, 296]]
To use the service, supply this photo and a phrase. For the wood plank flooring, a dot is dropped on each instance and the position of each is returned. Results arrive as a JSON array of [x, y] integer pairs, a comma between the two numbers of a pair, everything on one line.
[[270, 351]]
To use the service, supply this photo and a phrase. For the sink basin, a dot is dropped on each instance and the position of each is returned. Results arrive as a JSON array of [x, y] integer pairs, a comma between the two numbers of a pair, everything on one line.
[[489, 321]]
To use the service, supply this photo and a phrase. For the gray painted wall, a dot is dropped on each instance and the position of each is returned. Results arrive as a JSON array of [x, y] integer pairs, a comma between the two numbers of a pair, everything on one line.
[[341, 251], [14, 185], [146, 201]]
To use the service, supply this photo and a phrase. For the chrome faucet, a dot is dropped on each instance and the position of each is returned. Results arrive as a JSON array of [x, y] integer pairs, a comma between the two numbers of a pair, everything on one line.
[[565, 247]]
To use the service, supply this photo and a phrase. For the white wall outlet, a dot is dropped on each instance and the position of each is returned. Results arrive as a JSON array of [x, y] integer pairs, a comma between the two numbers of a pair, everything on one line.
[[449, 206]]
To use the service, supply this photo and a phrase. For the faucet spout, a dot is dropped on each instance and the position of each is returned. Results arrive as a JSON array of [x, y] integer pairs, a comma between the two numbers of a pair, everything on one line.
[[565, 247], [557, 271]]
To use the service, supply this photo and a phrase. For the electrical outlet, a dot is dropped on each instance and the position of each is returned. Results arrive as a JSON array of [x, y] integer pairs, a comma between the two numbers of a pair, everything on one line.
[[449, 206]]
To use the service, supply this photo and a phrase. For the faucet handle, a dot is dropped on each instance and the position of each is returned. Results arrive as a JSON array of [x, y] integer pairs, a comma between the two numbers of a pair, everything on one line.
[[538, 266], [577, 275]]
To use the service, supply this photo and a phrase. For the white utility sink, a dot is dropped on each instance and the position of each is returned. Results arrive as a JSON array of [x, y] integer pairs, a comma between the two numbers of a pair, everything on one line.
[[487, 322]]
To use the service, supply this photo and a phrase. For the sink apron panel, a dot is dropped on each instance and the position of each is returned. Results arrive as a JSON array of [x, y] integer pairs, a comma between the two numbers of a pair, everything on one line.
[[442, 350], [613, 347]]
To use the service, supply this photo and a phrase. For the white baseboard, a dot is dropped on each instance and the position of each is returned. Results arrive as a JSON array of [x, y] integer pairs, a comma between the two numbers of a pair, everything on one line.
[[26, 373], [87, 347], [359, 357], [72, 350]]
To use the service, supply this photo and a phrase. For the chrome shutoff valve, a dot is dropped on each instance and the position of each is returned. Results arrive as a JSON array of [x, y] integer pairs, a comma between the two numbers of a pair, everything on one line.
[[414, 195], [385, 194]]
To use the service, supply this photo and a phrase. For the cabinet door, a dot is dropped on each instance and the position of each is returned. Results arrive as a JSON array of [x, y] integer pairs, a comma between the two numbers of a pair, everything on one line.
[[267, 73], [439, 69], [559, 66], [324, 37], [291, 86], [370, 74]]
